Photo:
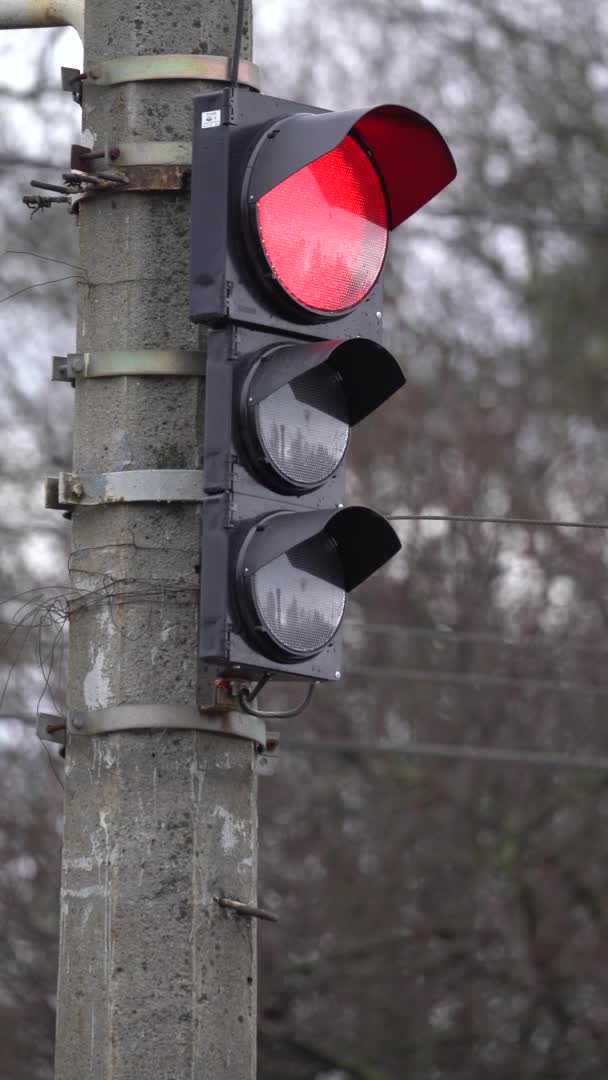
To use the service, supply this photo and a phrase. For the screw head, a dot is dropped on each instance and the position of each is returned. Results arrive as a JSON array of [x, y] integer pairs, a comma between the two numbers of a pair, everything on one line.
[[77, 490], [78, 364], [337, 674], [378, 314], [77, 722]]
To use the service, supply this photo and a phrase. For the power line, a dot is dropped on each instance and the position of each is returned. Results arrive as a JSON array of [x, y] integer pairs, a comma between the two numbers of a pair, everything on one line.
[[522, 221], [475, 518], [38, 285], [448, 752], [38, 255], [478, 679], [474, 637]]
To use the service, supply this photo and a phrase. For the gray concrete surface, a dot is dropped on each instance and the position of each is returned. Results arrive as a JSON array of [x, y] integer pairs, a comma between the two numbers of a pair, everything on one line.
[[155, 979]]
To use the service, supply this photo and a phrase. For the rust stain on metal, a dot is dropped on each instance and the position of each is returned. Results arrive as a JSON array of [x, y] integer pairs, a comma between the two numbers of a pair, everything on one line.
[[144, 178], [249, 910], [158, 177], [53, 728]]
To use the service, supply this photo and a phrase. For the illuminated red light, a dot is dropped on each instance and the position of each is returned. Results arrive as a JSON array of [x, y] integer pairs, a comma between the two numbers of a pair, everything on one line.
[[324, 229]]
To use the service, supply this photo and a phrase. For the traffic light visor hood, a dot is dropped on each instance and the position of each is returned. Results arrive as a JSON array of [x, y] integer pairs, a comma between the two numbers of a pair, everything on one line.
[[408, 152], [369, 374], [299, 402], [363, 539]]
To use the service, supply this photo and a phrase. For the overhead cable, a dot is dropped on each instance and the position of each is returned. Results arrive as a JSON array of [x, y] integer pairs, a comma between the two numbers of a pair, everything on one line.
[[447, 752]]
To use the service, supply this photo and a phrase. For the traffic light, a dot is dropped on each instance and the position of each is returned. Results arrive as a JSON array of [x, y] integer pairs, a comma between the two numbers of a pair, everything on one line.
[[291, 211]]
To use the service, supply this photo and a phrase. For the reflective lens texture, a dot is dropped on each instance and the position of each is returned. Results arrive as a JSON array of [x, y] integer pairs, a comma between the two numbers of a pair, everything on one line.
[[300, 596], [303, 427], [325, 229]]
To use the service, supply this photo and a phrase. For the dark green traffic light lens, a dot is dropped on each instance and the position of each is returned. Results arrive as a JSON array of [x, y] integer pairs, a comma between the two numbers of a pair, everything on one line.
[[299, 598]]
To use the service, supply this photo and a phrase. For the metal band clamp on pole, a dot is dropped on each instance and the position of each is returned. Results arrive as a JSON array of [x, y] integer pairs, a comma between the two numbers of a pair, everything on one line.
[[133, 485], [53, 728], [173, 66], [154, 717], [96, 365]]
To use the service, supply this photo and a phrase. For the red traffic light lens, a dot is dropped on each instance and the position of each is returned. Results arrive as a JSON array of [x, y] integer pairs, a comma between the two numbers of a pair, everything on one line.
[[324, 230]]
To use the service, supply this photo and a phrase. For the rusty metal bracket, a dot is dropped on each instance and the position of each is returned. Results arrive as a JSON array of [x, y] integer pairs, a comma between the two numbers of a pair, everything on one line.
[[172, 66], [250, 910], [98, 365], [139, 178], [155, 178], [268, 759], [51, 727], [131, 485], [71, 82], [137, 166]]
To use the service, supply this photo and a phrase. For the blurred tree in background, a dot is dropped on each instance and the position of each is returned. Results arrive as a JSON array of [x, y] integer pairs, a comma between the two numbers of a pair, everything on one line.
[[449, 920], [438, 920], [37, 122]]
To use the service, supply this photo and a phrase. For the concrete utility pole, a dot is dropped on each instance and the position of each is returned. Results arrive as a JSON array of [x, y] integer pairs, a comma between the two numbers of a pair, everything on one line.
[[156, 979]]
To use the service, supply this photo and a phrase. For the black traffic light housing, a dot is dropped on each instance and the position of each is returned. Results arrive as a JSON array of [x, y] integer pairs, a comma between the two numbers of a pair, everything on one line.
[[291, 210], [244, 144], [252, 512], [246, 368], [237, 632]]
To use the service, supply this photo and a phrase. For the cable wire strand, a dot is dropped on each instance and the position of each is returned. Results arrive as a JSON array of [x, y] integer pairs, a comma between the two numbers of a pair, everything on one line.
[[478, 679], [481, 519], [38, 255], [443, 637], [238, 39], [448, 752], [521, 221]]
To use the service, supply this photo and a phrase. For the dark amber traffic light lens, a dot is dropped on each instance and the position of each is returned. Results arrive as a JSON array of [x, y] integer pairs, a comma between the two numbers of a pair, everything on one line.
[[324, 230], [303, 427]]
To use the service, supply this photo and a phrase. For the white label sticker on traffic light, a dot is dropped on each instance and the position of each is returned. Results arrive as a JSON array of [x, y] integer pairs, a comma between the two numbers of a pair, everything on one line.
[[211, 119]]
